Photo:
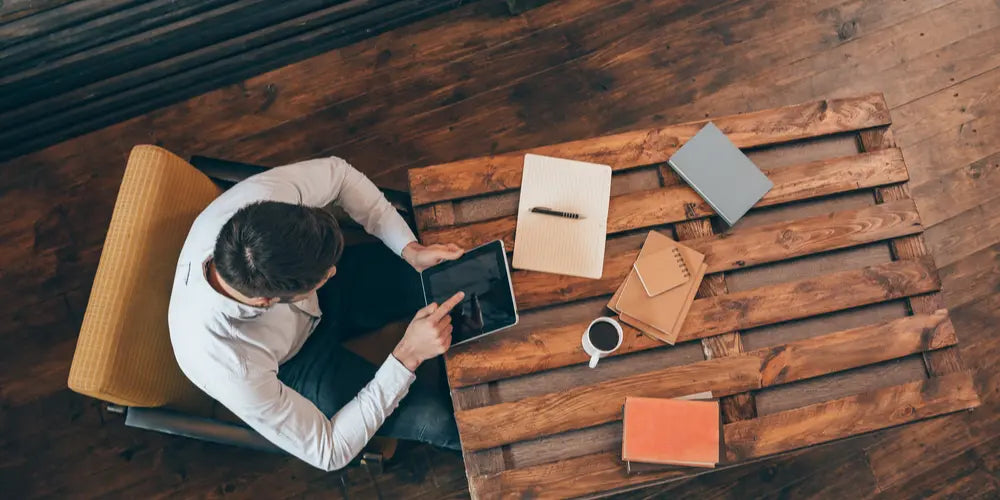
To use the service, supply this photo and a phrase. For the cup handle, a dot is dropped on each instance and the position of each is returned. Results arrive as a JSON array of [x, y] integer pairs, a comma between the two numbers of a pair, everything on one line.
[[594, 359]]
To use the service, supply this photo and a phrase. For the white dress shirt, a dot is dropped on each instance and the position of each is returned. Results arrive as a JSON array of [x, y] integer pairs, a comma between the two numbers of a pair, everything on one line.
[[232, 351]]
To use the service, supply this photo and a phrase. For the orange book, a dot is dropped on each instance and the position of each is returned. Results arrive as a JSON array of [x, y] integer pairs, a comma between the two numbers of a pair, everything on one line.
[[671, 431]]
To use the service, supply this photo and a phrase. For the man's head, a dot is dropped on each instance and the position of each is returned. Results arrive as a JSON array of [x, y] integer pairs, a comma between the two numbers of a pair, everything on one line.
[[278, 251]]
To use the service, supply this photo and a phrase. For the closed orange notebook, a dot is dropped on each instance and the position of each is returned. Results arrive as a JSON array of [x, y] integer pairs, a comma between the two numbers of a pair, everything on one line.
[[671, 431]]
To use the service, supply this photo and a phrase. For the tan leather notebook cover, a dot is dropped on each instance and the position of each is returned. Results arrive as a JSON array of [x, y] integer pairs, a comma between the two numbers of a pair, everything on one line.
[[670, 336], [562, 245], [660, 313], [671, 431], [660, 271]]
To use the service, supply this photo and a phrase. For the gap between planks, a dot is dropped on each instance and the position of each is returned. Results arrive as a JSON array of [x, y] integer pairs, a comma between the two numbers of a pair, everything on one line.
[[910, 247]]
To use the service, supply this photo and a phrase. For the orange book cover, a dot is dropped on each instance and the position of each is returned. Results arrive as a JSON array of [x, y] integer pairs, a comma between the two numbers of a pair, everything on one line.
[[671, 431]]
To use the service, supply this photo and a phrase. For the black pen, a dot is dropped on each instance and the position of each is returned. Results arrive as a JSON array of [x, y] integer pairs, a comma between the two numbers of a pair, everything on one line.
[[557, 213]]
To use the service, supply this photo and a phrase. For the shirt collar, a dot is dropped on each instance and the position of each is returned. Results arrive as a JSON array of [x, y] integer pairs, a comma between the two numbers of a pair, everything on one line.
[[226, 305], [236, 309]]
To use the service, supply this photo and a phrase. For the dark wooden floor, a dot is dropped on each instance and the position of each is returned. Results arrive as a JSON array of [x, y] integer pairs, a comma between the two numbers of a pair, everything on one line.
[[473, 81], [71, 67]]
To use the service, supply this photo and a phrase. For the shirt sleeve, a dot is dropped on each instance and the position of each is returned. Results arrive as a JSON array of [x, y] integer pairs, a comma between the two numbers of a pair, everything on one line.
[[294, 424], [319, 182]]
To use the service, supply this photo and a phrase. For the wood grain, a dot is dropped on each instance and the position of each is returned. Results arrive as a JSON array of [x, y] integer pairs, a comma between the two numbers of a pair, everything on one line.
[[153, 61], [740, 406], [856, 347], [911, 247], [458, 86], [569, 478], [785, 240], [586, 406], [782, 432], [502, 172], [519, 352], [849, 416], [679, 202], [435, 215], [743, 247]]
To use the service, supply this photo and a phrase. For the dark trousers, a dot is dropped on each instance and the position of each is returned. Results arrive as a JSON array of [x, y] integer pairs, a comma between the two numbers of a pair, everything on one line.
[[372, 287]]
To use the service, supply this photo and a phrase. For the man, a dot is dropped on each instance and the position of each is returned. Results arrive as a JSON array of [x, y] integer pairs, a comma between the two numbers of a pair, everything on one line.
[[249, 328]]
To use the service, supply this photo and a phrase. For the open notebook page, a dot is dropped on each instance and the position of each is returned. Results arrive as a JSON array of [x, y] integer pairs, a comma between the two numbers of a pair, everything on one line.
[[561, 245]]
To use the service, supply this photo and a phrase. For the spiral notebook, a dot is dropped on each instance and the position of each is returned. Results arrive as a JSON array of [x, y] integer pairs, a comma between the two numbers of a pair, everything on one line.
[[659, 316], [562, 245], [660, 271]]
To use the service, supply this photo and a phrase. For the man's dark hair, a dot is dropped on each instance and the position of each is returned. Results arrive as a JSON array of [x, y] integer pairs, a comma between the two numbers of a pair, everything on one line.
[[274, 249]]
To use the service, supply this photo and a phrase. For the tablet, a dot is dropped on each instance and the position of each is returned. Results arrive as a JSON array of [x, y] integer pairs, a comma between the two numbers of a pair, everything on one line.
[[483, 274]]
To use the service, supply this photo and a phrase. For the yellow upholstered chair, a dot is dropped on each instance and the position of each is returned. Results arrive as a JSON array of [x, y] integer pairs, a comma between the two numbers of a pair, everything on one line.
[[123, 354]]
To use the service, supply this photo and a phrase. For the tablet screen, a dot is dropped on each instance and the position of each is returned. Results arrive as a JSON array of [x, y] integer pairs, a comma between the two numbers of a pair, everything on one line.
[[482, 274]]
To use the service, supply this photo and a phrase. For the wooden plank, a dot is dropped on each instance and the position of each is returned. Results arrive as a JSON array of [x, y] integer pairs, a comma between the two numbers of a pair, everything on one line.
[[740, 406], [911, 247], [435, 215], [677, 203], [586, 406], [118, 96], [569, 478], [520, 352], [744, 247], [856, 347], [502, 172], [784, 240], [777, 433], [865, 412], [16, 9], [100, 30], [487, 460], [52, 16]]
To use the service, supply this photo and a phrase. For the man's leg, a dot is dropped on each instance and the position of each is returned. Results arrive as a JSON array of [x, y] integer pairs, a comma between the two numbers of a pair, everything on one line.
[[325, 372], [329, 375], [424, 415], [372, 287]]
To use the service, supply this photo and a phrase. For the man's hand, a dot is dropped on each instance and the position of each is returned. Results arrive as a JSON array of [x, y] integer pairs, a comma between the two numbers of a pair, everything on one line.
[[428, 335], [421, 257]]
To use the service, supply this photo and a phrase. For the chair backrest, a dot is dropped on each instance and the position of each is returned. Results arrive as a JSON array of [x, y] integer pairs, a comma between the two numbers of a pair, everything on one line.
[[123, 354]]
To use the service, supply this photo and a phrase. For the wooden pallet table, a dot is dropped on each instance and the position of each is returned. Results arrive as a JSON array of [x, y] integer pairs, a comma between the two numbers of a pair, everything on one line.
[[820, 318]]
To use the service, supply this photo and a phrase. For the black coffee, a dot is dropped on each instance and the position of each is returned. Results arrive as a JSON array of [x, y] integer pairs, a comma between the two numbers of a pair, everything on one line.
[[603, 335]]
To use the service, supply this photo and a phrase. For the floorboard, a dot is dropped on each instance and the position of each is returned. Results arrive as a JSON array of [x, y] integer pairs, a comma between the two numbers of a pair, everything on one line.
[[473, 81]]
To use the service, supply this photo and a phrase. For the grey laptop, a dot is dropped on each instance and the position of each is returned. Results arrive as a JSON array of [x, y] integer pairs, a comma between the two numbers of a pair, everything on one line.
[[711, 164]]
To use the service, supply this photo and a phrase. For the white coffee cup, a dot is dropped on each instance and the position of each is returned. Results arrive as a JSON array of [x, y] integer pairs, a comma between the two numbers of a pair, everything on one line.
[[595, 352]]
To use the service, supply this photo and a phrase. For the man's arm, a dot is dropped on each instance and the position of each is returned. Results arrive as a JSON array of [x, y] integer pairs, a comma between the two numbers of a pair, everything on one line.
[[294, 424], [322, 181]]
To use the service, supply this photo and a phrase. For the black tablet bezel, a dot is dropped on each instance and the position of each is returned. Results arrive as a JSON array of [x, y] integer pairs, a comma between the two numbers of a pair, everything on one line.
[[496, 248]]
